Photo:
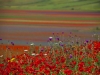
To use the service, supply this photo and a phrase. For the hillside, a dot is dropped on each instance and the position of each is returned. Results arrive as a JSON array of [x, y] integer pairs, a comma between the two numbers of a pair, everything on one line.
[[77, 5]]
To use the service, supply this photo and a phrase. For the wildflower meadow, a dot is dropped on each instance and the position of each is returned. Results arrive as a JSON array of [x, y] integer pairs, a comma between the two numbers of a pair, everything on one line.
[[60, 56]]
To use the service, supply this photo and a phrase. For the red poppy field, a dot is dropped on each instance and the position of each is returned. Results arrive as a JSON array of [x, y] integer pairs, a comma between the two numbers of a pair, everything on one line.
[[55, 59]]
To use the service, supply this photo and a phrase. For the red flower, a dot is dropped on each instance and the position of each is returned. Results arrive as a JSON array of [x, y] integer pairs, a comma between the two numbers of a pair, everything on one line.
[[88, 69], [89, 46], [37, 61], [29, 69], [81, 66], [96, 45], [1, 71], [22, 74], [62, 59], [52, 67], [7, 70], [1, 65], [68, 71], [42, 68], [47, 72], [81, 69], [73, 63], [97, 72]]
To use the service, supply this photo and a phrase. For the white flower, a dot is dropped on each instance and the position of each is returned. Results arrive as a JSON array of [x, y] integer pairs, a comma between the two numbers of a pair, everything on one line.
[[32, 44], [60, 41], [25, 50], [1, 56], [50, 37], [37, 54], [56, 43], [45, 54], [33, 54]]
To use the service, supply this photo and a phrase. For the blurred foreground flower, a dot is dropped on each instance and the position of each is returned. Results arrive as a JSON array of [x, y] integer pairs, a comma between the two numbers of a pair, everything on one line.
[[25, 50], [1, 56], [50, 38], [12, 60], [57, 38], [0, 39], [32, 44], [45, 54], [33, 54], [12, 43]]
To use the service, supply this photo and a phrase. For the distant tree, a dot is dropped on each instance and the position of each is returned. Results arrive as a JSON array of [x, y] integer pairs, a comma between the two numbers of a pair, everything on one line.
[[72, 8], [97, 28]]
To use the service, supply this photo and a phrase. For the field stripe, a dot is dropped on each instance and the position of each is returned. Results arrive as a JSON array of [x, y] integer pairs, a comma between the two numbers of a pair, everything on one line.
[[55, 22]]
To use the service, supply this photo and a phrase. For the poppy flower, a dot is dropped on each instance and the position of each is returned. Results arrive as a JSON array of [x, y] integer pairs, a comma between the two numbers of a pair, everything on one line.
[[1, 71], [42, 68], [81, 66], [73, 63], [1, 65], [29, 69], [63, 59], [22, 74], [68, 71], [47, 71], [97, 71], [88, 69]]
